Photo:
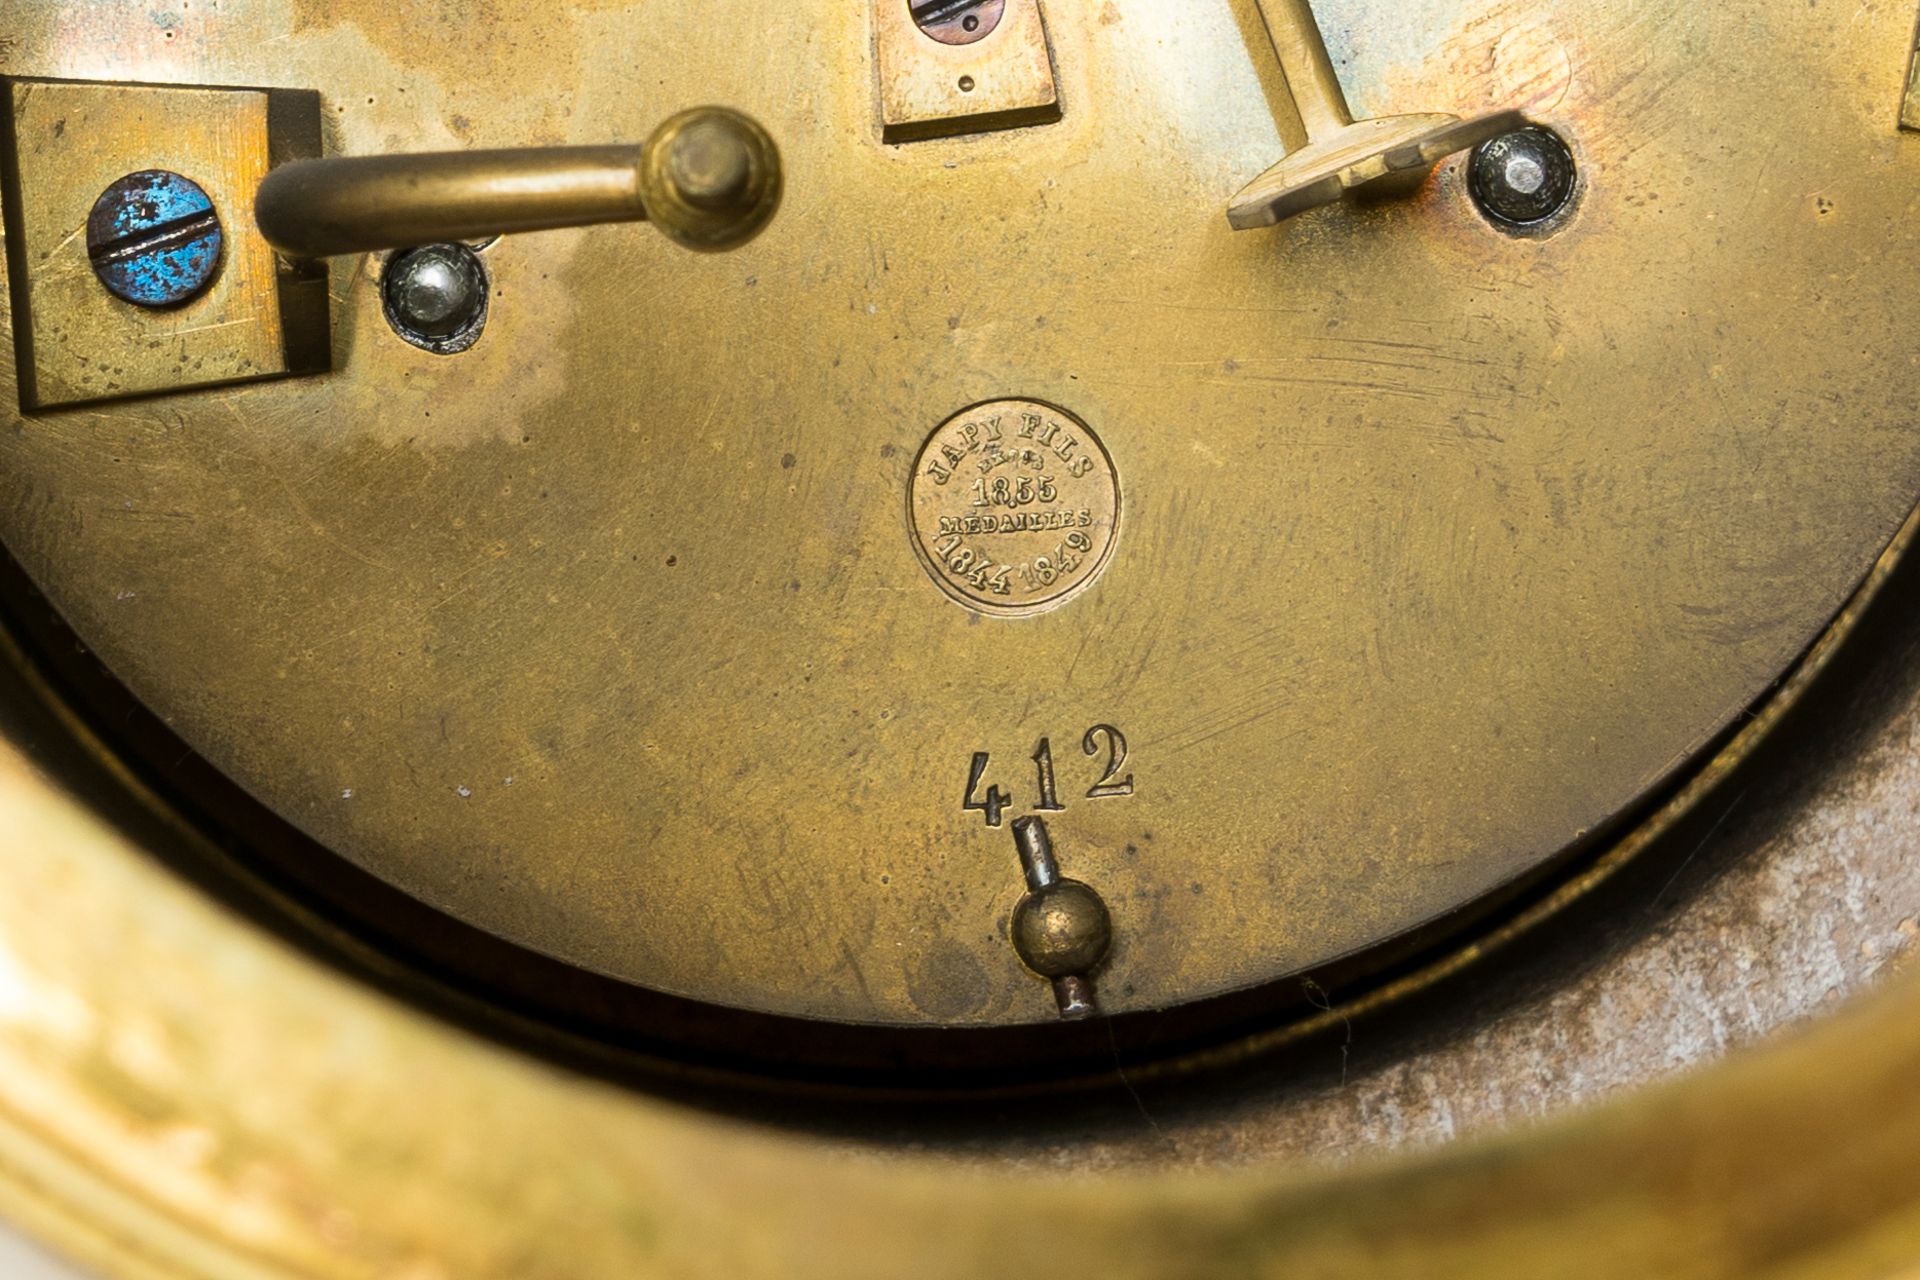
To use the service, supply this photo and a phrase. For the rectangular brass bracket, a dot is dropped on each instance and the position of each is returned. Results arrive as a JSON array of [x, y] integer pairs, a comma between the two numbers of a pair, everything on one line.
[[933, 90], [62, 143]]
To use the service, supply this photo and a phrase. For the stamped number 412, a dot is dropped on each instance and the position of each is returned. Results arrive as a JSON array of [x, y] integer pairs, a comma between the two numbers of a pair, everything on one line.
[[1099, 740]]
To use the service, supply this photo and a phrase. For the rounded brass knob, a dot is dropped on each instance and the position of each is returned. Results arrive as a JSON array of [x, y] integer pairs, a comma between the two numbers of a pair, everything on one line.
[[710, 178]]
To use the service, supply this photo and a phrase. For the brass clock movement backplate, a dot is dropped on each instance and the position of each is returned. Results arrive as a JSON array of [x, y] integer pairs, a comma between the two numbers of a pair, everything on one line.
[[1405, 553]]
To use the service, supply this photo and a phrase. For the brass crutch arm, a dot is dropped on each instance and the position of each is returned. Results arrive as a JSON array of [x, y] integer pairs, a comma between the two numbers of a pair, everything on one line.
[[1311, 77], [1341, 153], [709, 178]]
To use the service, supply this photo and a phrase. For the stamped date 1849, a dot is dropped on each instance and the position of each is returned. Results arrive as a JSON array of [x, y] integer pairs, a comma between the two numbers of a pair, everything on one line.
[[1014, 506]]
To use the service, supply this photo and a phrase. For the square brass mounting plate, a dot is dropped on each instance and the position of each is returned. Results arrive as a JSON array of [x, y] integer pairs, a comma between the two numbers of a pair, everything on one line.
[[62, 143], [934, 90]]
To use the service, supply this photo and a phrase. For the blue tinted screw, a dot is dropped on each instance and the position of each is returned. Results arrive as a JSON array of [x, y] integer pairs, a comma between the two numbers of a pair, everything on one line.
[[154, 239]]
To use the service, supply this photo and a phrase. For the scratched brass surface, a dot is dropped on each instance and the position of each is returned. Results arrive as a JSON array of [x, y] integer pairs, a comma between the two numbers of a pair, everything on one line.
[[70, 142], [930, 86], [183, 1095], [1015, 508], [1440, 548]]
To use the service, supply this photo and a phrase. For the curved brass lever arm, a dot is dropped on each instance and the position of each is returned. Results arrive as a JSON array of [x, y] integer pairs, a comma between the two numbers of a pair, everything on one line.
[[710, 178]]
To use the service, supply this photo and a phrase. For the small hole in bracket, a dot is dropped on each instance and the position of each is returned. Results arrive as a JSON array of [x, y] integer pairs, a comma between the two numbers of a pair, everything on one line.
[[966, 84]]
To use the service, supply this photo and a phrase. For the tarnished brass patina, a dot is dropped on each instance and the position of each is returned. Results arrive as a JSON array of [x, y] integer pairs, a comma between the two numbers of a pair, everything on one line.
[[184, 1095], [1341, 154], [1440, 550], [938, 79], [61, 145], [564, 802], [708, 177]]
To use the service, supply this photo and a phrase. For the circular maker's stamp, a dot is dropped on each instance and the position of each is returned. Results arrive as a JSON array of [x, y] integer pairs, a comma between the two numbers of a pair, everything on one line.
[[1014, 506]]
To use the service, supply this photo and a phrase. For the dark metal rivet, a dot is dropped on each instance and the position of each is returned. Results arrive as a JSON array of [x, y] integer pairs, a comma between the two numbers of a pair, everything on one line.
[[154, 238], [435, 297], [1522, 179]]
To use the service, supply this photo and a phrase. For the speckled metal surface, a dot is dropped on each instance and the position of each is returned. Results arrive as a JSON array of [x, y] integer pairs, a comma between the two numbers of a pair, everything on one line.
[[1426, 584], [154, 238], [1795, 890]]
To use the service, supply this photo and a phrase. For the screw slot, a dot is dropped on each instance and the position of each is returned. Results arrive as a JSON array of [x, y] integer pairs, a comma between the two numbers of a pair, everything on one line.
[[957, 21], [435, 297], [1522, 180]]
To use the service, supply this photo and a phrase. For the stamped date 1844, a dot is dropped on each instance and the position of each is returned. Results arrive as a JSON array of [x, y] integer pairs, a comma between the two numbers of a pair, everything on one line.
[[1014, 506]]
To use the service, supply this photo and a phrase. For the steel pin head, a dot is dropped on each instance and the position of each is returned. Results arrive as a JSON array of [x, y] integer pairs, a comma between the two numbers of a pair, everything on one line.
[[958, 21], [1521, 179], [435, 297]]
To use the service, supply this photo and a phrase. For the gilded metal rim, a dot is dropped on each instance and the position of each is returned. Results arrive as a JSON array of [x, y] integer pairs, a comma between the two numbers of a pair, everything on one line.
[[183, 1092]]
